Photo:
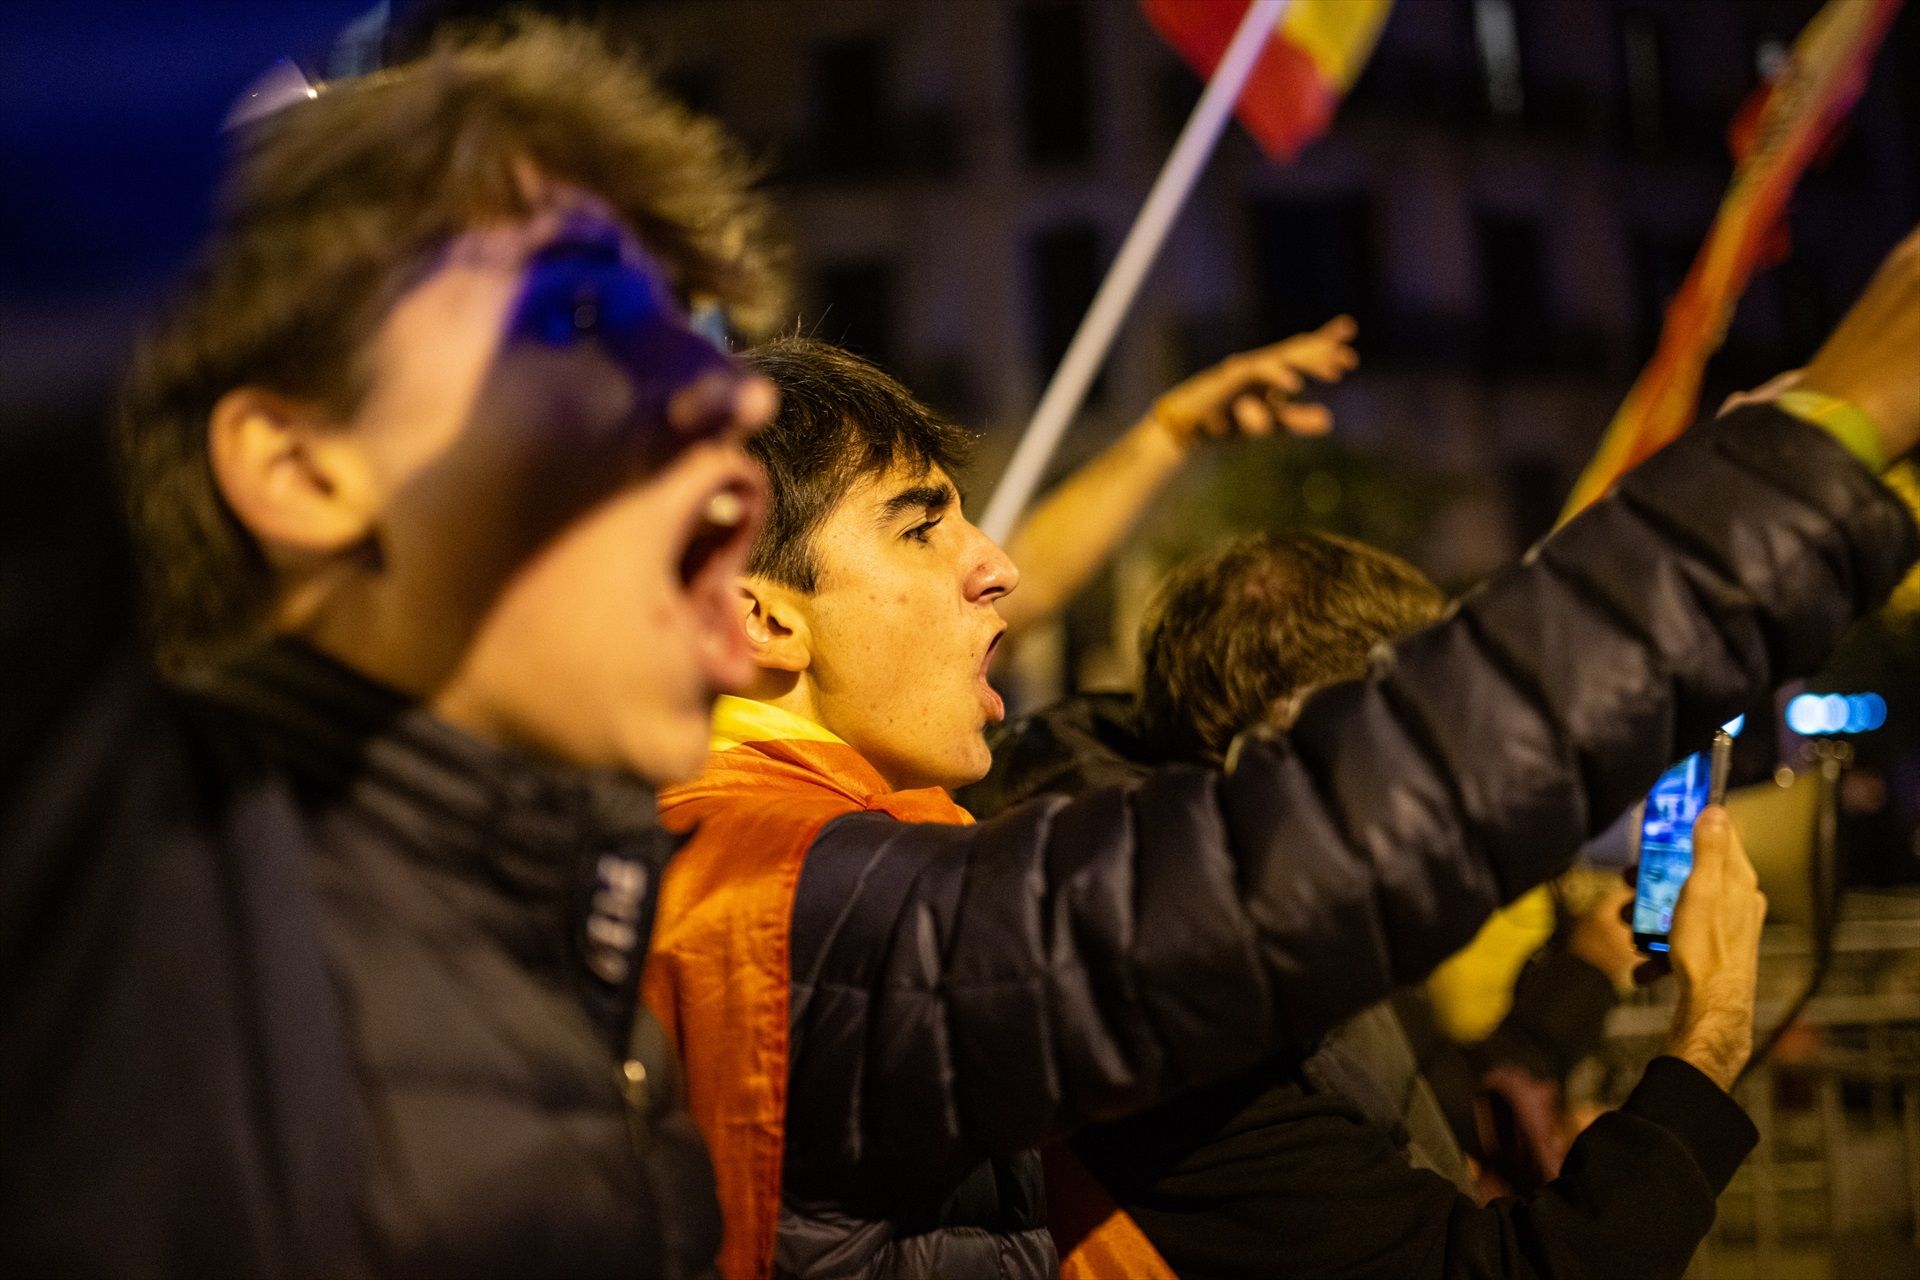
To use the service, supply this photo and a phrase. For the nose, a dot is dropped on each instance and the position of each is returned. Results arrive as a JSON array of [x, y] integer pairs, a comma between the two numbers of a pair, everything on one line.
[[993, 574]]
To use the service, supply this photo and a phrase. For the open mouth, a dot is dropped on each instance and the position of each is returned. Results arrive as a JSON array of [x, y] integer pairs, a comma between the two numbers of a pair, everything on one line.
[[996, 706], [718, 535], [993, 645], [720, 532]]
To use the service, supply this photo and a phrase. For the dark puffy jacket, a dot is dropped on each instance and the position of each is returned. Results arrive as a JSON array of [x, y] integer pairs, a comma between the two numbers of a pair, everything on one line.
[[295, 982], [1071, 746], [1342, 1164], [964, 993]]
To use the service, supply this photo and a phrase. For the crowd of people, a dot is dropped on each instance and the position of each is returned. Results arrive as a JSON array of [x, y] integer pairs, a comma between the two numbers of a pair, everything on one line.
[[527, 796]]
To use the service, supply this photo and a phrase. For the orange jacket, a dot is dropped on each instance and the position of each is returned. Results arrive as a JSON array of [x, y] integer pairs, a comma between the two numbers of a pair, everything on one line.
[[718, 976]]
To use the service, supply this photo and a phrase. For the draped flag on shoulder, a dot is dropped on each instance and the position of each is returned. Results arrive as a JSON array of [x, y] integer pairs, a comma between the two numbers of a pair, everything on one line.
[[1311, 60], [1783, 127]]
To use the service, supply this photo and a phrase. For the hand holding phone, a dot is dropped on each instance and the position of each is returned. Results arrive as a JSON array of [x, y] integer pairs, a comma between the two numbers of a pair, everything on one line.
[[1666, 837], [1715, 954]]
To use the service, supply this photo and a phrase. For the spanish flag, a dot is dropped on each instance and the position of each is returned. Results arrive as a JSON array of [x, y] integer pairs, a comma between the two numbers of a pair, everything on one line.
[[1312, 59], [1775, 136]]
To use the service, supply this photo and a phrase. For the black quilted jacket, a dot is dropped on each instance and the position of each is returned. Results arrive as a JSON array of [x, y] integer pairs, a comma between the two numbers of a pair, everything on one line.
[[962, 995], [291, 976]]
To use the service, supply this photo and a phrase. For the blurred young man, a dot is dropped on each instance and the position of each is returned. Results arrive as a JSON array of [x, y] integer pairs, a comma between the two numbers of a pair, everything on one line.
[[1340, 1162], [884, 1010], [322, 953]]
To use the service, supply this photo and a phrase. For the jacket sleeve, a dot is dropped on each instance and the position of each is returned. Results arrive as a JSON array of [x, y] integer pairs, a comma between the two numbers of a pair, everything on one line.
[[978, 990], [1307, 1189]]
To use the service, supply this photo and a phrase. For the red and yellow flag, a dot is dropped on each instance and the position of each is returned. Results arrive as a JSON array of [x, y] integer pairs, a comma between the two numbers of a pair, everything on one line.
[[1775, 136], [1312, 59]]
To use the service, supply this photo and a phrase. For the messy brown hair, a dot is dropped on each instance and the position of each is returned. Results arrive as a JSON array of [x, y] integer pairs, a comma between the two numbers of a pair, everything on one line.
[[333, 206], [842, 419], [1237, 631]]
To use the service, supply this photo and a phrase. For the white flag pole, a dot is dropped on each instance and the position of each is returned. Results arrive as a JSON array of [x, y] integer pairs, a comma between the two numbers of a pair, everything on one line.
[[1094, 338]]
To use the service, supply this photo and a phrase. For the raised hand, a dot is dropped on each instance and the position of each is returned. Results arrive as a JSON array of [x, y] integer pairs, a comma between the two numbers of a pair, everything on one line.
[[1252, 394]]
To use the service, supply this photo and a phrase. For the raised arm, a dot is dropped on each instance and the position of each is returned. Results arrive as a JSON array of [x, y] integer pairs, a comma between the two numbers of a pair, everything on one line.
[[1270, 1175], [1065, 540], [1239, 1181]]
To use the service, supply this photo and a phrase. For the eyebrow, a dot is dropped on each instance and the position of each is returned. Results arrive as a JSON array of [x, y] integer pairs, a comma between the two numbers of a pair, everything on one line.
[[919, 497]]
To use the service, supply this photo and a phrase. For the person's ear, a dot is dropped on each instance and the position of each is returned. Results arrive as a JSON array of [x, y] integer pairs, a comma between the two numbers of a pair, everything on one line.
[[776, 625], [298, 482]]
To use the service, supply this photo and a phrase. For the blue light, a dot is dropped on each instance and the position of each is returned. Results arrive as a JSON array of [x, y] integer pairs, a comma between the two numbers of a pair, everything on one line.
[[1805, 715], [1813, 714], [1734, 726]]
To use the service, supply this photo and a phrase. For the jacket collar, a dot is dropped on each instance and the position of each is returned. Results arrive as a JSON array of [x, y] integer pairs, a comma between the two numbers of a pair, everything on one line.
[[445, 794], [739, 721], [766, 741], [758, 746]]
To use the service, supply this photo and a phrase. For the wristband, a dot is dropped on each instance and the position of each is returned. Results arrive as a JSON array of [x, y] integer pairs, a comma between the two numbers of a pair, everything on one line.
[[1841, 419]]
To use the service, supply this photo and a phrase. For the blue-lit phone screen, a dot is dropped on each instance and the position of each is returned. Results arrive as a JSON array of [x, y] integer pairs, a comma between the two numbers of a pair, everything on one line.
[[1666, 847]]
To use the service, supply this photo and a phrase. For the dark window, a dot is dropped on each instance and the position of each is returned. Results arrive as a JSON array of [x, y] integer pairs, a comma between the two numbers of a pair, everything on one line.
[[1643, 78], [1660, 263], [1057, 75], [947, 386], [1516, 324], [1806, 309], [1065, 266], [1176, 92], [856, 309], [1314, 260], [849, 107], [1536, 490]]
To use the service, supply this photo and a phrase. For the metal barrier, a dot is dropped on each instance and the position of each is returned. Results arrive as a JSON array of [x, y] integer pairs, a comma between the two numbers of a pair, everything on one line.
[[1832, 1192]]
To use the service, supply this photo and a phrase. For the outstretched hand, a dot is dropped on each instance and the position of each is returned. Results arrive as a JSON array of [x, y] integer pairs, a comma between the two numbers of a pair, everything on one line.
[[1252, 394]]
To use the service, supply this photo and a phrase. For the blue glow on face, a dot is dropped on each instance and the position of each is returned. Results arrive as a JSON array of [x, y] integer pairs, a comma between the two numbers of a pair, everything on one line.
[[1813, 714], [577, 291], [594, 287]]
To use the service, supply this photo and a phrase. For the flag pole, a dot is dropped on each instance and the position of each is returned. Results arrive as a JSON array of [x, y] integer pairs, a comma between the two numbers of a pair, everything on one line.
[[1067, 390]]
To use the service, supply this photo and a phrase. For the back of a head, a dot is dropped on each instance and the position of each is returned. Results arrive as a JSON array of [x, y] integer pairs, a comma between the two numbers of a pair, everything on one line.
[[1238, 633], [841, 419], [333, 207]]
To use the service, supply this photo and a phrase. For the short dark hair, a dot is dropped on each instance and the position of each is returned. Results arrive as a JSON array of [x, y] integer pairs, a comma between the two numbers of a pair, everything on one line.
[[841, 420], [330, 209], [1235, 631]]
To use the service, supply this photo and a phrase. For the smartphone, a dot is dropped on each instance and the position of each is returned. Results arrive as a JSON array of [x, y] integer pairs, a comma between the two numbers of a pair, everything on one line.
[[1666, 837]]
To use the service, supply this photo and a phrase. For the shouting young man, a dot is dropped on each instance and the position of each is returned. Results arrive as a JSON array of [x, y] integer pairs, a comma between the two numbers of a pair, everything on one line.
[[321, 952], [884, 1010]]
